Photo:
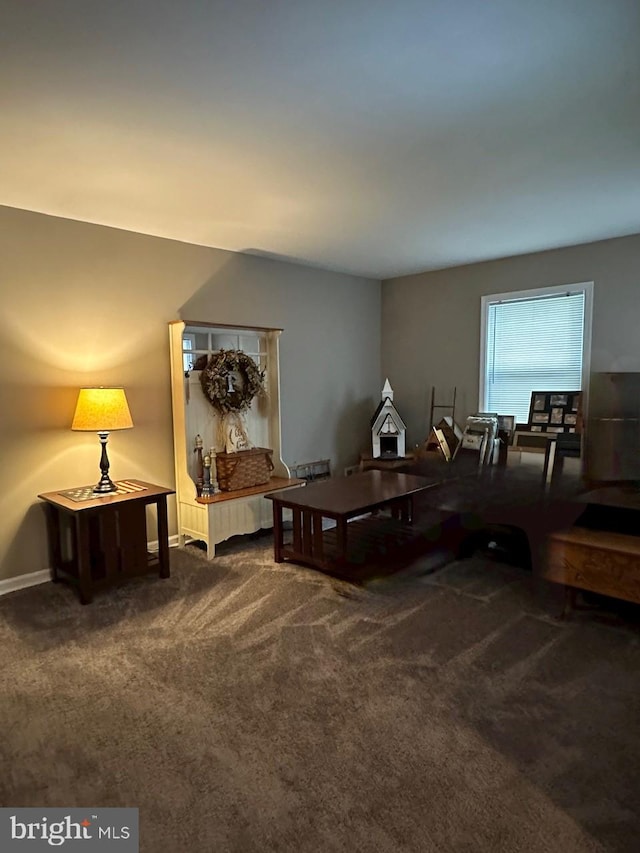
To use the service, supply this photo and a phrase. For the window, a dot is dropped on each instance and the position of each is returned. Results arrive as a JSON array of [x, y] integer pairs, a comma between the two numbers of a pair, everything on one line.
[[188, 345], [533, 340]]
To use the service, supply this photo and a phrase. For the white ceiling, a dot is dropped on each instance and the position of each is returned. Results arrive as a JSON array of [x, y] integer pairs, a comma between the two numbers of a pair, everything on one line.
[[378, 137]]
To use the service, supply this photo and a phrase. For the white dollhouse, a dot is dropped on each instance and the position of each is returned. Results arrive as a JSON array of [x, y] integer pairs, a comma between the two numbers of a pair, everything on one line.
[[388, 430]]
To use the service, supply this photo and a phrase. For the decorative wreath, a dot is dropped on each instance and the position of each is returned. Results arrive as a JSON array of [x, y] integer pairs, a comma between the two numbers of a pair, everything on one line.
[[218, 380]]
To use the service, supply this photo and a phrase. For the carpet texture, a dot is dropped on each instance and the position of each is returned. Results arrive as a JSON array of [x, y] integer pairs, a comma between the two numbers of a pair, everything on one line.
[[249, 706]]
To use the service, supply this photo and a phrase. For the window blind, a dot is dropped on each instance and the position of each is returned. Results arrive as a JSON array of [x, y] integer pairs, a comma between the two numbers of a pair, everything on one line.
[[533, 344]]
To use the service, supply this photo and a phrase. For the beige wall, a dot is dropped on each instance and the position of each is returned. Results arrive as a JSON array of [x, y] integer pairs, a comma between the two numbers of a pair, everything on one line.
[[431, 329], [88, 305]]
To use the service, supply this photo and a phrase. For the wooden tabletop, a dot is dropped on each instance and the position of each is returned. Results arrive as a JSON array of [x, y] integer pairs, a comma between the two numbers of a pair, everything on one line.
[[358, 493], [621, 496], [148, 491]]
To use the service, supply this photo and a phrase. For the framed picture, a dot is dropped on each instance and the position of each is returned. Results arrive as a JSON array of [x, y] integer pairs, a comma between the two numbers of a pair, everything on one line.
[[555, 411]]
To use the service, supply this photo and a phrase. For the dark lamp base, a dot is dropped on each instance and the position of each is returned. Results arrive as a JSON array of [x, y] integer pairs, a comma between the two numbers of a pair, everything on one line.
[[105, 487]]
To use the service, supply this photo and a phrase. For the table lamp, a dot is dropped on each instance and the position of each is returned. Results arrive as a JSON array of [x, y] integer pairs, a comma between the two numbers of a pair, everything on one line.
[[102, 410]]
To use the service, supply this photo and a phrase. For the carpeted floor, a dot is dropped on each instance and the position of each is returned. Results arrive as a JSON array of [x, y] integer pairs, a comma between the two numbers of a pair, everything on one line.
[[245, 706]]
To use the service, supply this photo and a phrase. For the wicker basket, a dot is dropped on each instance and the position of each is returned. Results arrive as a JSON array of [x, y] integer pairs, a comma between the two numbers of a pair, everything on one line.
[[243, 469]]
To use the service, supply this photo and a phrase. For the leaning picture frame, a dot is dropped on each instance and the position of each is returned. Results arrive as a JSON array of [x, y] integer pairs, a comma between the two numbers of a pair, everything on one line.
[[507, 423], [442, 443]]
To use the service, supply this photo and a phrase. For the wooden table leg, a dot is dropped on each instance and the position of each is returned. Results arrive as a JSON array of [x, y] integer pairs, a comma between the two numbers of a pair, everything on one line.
[[307, 540], [318, 543], [341, 532], [277, 532], [406, 513], [549, 460], [296, 521], [163, 537], [83, 557]]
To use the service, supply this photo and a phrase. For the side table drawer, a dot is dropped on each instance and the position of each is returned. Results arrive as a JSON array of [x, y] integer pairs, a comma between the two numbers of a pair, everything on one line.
[[606, 563]]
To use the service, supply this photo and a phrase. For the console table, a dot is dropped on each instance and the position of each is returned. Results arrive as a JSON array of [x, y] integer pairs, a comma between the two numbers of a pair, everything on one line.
[[98, 542]]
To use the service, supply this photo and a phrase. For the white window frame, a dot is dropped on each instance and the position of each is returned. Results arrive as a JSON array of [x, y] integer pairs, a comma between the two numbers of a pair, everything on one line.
[[585, 287], [188, 351]]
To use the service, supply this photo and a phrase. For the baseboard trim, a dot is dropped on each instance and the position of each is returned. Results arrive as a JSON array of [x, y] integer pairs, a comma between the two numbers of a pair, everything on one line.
[[24, 581], [34, 578], [174, 541]]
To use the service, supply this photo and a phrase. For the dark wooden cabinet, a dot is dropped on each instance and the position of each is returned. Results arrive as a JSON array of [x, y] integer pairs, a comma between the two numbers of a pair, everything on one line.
[[101, 541]]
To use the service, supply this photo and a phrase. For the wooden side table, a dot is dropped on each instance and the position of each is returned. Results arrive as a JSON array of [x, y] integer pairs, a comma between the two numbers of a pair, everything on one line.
[[98, 542]]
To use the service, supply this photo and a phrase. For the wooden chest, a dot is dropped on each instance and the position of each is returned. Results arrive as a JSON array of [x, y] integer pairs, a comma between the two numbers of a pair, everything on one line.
[[595, 560]]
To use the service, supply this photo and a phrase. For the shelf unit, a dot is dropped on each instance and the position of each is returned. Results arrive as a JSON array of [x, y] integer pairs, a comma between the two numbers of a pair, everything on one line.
[[215, 519]]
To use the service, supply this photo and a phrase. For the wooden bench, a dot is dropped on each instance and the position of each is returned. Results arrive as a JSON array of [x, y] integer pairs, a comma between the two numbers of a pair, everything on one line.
[[596, 560]]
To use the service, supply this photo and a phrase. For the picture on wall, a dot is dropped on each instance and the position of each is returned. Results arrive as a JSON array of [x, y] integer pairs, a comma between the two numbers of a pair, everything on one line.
[[555, 411]]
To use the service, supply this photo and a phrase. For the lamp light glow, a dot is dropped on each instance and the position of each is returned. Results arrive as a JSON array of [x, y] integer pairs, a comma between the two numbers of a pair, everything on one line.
[[102, 410]]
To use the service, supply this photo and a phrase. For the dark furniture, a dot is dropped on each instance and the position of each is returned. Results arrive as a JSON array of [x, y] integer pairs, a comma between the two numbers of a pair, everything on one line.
[[340, 500], [612, 437], [99, 542], [600, 551], [396, 463], [508, 511], [584, 540]]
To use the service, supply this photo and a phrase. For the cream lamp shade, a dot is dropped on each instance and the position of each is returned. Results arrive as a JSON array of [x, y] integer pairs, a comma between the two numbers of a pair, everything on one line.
[[102, 410]]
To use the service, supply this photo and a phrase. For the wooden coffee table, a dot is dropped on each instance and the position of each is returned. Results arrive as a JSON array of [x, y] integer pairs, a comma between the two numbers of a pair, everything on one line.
[[358, 497]]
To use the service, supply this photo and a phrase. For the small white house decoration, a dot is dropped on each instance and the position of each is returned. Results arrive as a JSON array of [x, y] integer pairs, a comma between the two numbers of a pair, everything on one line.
[[387, 428]]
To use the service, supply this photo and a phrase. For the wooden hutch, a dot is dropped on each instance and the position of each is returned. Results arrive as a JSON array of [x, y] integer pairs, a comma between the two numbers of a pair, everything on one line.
[[224, 514]]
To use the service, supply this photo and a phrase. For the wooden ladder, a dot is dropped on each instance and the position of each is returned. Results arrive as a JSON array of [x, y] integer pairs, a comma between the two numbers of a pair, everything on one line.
[[450, 406]]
